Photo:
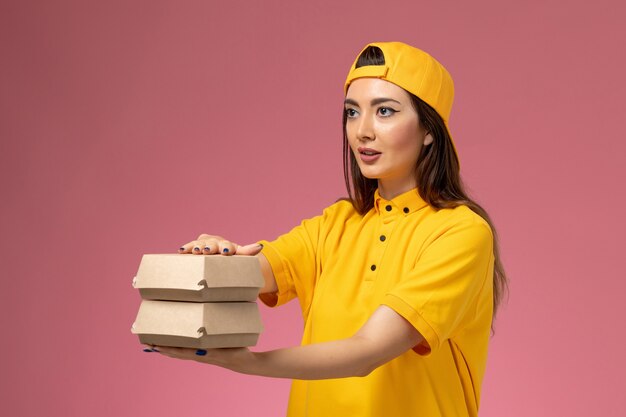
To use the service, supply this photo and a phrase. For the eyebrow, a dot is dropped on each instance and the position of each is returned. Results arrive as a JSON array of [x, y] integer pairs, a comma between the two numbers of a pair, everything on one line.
[[374, 101]]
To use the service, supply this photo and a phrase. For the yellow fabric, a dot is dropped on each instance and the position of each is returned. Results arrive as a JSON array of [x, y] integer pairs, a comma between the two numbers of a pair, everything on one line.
[[434, 268]]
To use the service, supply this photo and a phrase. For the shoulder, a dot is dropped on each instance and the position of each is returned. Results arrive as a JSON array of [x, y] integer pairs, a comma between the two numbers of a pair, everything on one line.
[[341, 209], [458, 215], [339, 212], [460, 221]]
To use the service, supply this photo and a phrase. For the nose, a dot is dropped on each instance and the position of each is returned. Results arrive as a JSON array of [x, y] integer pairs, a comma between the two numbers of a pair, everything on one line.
[[365, 128]]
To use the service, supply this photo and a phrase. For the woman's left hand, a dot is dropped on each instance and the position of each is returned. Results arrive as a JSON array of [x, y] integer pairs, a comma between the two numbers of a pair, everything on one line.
[[231, 358]]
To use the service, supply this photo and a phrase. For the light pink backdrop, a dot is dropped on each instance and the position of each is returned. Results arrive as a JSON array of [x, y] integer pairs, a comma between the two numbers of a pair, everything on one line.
[[130, 127]]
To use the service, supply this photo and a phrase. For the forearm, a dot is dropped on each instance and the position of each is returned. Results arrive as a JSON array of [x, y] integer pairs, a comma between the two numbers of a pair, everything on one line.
[[337, 359], [384, 336]]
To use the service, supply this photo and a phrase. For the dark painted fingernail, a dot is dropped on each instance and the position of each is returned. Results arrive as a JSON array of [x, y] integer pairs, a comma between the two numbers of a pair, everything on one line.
[[148, 350], [225, 250], [207, 249], [261, 245], [196, 249], [181, 249], [200, 352]]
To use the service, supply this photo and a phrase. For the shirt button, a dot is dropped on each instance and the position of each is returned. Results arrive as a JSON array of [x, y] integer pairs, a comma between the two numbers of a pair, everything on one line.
[[382, 238], [373, 267], [388, 208], [406, 209]]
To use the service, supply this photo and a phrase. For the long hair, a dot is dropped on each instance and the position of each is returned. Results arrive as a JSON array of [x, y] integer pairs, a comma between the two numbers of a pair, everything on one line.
[[437, 174]]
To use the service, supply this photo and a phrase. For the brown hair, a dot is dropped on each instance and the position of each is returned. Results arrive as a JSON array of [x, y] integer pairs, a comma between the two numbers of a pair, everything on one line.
[[437, 173]]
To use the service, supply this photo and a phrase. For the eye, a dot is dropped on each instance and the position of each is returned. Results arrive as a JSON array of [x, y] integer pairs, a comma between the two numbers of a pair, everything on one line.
[[386, 111], [350, 113]]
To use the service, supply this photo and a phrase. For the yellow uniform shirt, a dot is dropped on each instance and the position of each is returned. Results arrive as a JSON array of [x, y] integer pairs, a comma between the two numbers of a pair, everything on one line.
[[435, 268]]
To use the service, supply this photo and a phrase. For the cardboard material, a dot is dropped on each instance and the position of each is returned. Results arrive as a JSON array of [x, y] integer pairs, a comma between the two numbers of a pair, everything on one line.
[[199, 278], [198, 325]]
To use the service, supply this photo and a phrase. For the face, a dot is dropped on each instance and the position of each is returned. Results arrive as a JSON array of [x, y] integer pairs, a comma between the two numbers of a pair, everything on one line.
[[384, 133]]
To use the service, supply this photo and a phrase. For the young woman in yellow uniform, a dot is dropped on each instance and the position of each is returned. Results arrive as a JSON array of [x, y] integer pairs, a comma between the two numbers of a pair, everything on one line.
[[398, 283]]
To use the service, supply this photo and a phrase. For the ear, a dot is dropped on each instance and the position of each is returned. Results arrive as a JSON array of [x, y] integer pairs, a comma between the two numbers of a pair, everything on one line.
[[428, 139]]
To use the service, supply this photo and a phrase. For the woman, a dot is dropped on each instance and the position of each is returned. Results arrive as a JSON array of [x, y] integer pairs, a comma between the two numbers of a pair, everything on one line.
[[398, 284]]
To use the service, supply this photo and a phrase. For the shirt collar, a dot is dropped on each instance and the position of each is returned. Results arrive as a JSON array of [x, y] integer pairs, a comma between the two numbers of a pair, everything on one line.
[[404, 204]]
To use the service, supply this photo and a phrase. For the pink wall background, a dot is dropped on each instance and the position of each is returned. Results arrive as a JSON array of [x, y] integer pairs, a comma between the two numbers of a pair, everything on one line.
[[131, 127]]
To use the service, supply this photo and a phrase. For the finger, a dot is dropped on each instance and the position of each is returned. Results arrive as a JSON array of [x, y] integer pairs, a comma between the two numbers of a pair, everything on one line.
[[199, 243], [249, 250], [149, 348], [210, 246], [227, 247], [167, 350], [172, 352], [179, 353], [186, 248], [197, 246]]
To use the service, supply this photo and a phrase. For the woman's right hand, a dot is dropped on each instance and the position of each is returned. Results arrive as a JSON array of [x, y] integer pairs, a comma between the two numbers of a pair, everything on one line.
[[213, 245]]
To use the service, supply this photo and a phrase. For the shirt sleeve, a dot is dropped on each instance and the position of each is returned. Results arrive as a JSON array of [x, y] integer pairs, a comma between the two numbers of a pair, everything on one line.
[[440, 294], [295, 263]]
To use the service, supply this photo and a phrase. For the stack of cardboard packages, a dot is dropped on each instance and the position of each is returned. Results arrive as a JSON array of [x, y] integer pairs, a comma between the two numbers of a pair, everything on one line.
[[198, 301]]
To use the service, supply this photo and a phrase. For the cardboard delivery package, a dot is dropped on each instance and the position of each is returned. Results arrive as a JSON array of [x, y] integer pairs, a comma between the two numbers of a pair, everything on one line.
[[198, 325], [199, 278]]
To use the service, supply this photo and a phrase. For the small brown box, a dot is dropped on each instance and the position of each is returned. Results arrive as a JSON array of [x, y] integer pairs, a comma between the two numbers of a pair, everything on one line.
[[199, 278], [198, 325]]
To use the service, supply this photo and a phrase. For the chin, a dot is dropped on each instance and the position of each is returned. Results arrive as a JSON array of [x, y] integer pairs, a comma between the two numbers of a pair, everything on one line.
[[369, 175]]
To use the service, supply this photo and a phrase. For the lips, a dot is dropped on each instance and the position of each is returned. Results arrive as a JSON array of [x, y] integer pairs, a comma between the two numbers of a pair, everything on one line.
[[368, 155], [368, 151]]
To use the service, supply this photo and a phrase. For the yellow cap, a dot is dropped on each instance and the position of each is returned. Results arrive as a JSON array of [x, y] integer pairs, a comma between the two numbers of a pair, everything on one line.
[[412, 69]]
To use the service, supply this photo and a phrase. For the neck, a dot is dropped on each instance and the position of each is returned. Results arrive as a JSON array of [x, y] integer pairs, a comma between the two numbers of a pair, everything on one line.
[[389, 189]]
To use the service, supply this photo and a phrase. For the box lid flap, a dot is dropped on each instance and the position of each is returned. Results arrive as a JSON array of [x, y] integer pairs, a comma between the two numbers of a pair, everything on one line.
[[196, 319], [195, 272], [172, 318]]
